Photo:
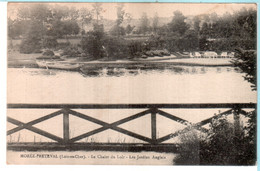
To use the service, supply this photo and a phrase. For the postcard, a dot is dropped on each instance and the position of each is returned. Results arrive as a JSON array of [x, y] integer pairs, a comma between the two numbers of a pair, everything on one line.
[[131, 83]]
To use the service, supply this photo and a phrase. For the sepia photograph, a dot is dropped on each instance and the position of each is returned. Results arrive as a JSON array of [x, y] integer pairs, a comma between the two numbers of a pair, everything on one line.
[[131, 84]]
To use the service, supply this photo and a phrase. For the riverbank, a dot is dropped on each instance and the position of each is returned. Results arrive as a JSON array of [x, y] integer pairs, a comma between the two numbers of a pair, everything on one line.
[[17, 60]]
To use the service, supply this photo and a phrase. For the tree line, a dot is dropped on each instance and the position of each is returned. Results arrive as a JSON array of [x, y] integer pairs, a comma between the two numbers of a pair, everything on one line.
[[40, 25]]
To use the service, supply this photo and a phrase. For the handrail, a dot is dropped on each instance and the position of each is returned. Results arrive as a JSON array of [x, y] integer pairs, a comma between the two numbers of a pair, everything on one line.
[[153, 110], [133, 106]]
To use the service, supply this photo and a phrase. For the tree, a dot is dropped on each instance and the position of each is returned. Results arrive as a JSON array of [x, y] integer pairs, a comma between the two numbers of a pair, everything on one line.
[[196, 24], [220, 145], [97, 12], [120, 14], [155, 24], [117, 29], [246, 61], [205, 30], [129, 29], [93, 42], [178, 23], [144, 26], [191, 40], [85, 16], [31, 43], [38, 17], [60, 12], [71, 27]]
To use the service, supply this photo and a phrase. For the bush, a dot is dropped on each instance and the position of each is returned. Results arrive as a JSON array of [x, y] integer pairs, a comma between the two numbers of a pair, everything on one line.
[[30, 45], [48, 53], [246, 61], [220, 146], [93, 44], [115, 47], [32, 42], [63, 45], [189, 149], [71, 51], [49, 42], [99, 45], [137, 48]]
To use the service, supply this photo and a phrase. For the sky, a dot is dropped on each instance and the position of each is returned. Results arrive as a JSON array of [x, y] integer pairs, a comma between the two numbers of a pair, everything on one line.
[[163, 9]]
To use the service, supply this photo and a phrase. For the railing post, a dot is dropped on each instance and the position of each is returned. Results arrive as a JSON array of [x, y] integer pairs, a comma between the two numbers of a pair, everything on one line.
[[153, 125], [66, 134]]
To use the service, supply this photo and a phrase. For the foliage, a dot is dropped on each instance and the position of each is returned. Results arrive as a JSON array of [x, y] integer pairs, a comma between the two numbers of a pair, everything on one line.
[[189, 149], [93, 42], [145, 24], [97, 12], [17, 28], [71, 51], [137, 48], [85, 17], [49, 42], [48, 53], [178, 23], [115, 47], [246, 62], [230, 31], [31, 43], [204, 32], [34, 12], [41, 25], [220, 146], [129, 29], [117, 31], [155, 23]]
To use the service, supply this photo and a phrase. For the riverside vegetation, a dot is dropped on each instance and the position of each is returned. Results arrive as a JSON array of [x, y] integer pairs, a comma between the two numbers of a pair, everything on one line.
[[41, 25]]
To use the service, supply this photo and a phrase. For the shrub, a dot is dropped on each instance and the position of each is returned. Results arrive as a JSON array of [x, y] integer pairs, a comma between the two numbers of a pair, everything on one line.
[[63, 45], [71, 51], [115, 47], [137, 48], [48, 53], [49, 42], [220, 146], [32, 41], [92, 43], [30, 45], [246, 61], [189, 149]]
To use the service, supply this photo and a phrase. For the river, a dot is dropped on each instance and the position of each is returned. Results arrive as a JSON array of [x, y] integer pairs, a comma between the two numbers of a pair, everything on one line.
[[109, 86]]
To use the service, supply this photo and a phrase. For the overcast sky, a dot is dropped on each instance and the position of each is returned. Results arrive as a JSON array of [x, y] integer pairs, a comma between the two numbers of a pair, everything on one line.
[[163, 9]]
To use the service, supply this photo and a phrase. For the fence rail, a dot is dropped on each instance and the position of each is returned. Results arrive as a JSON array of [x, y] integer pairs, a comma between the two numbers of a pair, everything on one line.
[[153, 110], [133, 106]]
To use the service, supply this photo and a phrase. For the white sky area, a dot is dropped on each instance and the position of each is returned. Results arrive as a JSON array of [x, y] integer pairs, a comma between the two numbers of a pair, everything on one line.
[[163, 9]]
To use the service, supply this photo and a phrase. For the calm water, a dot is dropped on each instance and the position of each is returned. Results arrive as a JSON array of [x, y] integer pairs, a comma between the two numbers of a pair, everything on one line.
[[109, 85]]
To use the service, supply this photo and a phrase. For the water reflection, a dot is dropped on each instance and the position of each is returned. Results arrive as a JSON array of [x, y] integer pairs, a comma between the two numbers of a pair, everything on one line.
[[219, 70], [45, 72], [134, 70], [117, 72]]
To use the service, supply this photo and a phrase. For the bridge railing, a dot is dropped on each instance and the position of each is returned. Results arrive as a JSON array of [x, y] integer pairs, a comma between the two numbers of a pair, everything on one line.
[[154, 110]]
